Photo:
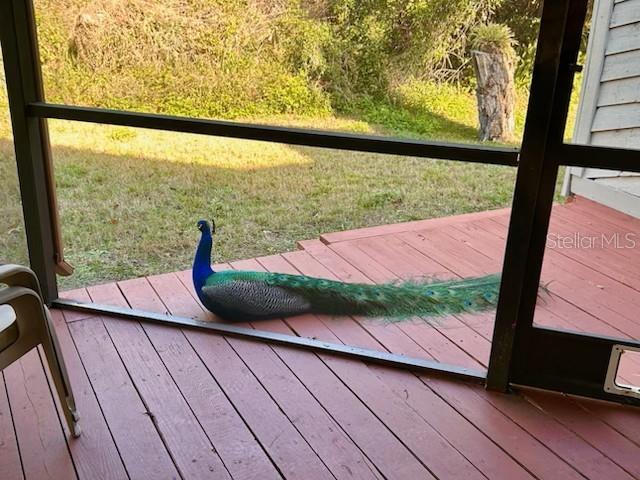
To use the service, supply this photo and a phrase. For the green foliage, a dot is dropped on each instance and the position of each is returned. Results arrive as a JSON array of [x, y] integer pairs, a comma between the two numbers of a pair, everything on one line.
[[523, 18], [242, 58], [214, 58], [493, 37], [423, 109], [379, 44]]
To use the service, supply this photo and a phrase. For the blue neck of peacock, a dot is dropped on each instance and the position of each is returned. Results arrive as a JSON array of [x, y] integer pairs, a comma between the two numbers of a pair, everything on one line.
[[202, 261]]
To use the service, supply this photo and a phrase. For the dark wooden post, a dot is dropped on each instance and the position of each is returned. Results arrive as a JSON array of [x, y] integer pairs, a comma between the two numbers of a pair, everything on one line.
[[23, 77]]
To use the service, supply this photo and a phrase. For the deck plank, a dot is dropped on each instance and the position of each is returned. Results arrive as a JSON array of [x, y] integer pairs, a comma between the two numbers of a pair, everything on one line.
[[390, 335], [439, 413], [622, 418], [581, 455], [598, 434], [588, 297], [452, 327], [346, 371], [141, 448], [485, 239], [190, 448], [373, 438], [525, 447], [321, 431], [41, 439], [233, 441], [558, 308], [10, 464], [394, 228], [286, 447], [605, 214], [392, 407], [610, 261], [94, 453]]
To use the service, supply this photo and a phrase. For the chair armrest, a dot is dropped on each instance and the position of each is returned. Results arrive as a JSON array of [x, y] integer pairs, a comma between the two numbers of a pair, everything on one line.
[[29, 311], [9, 295], [19, 276]]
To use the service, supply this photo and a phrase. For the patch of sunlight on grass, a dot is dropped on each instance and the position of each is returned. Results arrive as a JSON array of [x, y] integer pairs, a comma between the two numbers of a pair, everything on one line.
[[329, 123], [218, 152]]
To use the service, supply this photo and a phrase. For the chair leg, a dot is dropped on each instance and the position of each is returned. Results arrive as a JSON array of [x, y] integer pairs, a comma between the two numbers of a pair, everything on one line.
[[60, 377]]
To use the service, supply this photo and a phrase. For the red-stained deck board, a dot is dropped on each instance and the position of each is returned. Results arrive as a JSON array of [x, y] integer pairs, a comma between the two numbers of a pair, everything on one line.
[[574, 289], [463, 346], [10, 465], [486, 240], [371, 436], [430, 410], [605, 214], [581, 455], [622, 418], [139, 443], [322, 434], [437, 345], [565, 306], [620, 297], [597, 433], [443, 458], [472, 404], [610, 261], [41, 438], [181, 432], [95, 453], [284, 444], [233, 441], [390, 335], [391, 229]]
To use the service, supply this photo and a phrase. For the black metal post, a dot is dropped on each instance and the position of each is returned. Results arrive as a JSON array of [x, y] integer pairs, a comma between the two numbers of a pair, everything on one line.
[[558, 45], [23, 77], [287, 135], [319, 346]]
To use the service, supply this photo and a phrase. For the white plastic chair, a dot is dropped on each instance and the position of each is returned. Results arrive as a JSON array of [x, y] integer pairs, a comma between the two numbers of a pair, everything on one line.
[[25, 323]]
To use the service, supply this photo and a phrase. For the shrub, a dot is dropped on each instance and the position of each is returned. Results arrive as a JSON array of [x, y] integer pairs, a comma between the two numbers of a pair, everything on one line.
[[493, 37], [235, 58]]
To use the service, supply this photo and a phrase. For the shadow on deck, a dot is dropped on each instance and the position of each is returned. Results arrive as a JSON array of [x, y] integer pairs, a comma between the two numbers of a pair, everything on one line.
[[160, 402]]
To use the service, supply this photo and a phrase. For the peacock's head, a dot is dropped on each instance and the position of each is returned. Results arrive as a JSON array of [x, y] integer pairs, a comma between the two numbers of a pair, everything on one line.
[[203, 226]]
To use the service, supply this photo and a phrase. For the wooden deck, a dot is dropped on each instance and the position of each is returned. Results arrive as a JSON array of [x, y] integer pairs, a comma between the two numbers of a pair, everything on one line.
[[159, 402]]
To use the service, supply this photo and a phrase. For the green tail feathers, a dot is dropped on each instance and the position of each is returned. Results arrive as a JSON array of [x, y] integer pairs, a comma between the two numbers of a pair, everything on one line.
[[392, 300]]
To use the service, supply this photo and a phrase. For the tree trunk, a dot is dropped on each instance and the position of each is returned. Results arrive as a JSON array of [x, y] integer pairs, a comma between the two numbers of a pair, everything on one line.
[[496, 94]]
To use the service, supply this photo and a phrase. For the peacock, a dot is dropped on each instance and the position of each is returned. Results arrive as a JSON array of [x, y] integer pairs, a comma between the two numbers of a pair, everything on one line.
[[237, 295]]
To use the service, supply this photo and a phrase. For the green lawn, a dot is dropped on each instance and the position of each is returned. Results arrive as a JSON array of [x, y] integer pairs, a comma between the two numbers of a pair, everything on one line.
[[130, 198]]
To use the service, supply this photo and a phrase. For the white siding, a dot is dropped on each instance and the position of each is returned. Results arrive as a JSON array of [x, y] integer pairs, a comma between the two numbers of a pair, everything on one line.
[[616, 94], [616, 117], [609, 108], [622, 65], [629, 137], [625, 13]]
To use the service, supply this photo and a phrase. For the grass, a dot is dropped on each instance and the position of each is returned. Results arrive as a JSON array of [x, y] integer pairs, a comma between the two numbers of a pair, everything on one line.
[[129, 198]]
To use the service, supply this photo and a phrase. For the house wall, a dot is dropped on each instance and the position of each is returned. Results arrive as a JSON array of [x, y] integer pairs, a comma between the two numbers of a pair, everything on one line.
[[609, 108]]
